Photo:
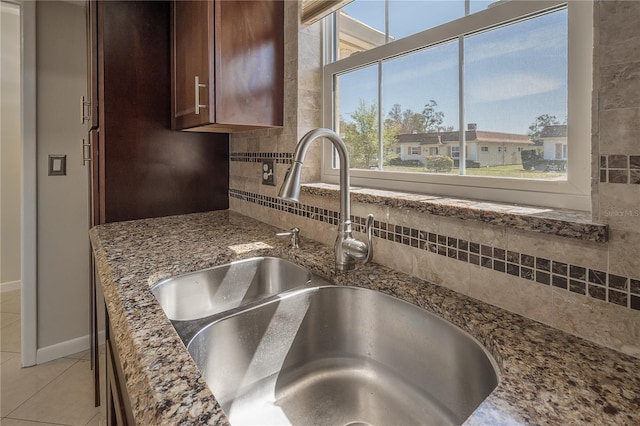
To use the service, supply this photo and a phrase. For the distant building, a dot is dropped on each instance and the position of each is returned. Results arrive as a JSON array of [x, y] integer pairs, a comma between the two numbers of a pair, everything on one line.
[[554, 142], [356, 36], [483, 147]]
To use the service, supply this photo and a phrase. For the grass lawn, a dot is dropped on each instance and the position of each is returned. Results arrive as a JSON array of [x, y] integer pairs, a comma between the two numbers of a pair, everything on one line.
[[514, 171]]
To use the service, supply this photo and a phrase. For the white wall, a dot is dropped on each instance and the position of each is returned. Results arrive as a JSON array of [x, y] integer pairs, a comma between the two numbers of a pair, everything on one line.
[[10, 147], [63, 244], [550, 147]]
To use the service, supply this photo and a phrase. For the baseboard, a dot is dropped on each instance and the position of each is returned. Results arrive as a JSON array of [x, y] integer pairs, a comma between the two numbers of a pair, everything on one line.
[[10, 286], [66, 348]]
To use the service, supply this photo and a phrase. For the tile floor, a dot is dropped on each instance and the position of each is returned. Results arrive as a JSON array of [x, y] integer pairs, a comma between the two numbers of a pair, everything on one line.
[[59, 392]]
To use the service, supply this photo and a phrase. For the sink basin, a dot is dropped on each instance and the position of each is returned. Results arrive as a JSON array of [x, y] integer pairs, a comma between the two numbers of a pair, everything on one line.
[[211, 291], [342, 356]]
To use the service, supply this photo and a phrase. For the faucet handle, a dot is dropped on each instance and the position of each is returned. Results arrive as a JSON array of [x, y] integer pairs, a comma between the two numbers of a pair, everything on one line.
[[295, 236], [356, 249], [369, 231]]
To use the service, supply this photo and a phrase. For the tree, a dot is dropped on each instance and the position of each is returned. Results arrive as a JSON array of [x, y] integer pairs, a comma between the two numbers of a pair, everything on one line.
[[360, 134], [432, 118], [405, 121], [360, 131], [539, 124], [408, 121]]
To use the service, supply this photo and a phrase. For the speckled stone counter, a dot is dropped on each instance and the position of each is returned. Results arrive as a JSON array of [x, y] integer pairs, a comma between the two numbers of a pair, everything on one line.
[[561, 222], [547, 376]]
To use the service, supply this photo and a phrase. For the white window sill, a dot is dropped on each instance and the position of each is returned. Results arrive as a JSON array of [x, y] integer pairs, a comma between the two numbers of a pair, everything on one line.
[[560, 222]]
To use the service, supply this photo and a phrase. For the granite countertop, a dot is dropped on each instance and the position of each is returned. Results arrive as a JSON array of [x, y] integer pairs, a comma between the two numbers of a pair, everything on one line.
[[553, 221], [547, 376]]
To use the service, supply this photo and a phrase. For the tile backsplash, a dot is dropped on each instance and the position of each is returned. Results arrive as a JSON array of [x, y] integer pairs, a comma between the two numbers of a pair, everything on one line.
[[257, 157], [616, 168], [534, 267]]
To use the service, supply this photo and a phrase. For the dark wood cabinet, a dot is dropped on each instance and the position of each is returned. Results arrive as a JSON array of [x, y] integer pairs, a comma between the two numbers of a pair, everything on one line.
[[89, 101], [119, 412], [138, 167], [227, 65], [90, 117], [147, 169]]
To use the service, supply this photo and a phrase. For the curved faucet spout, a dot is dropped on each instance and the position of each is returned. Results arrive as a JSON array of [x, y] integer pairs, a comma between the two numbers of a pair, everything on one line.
[[290, 189], [347, 248]]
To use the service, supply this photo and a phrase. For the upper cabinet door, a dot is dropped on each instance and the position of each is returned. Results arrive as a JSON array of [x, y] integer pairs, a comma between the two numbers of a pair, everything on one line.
[[191, 61], [228, 65], [249, 62]]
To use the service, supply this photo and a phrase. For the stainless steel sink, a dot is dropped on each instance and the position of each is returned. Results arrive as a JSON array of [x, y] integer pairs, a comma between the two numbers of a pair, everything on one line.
[[210, 291], [337, 355]]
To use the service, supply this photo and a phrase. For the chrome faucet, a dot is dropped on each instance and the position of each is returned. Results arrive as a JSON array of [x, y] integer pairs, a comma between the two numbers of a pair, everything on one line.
[[294, 233], [347, 248]]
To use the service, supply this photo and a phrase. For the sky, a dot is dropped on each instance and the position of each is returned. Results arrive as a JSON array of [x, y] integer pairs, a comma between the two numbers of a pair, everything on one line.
[[512, 74]]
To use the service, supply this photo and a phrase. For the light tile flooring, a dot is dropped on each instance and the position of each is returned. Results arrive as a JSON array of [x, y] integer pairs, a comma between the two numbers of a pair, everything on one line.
[[59, 392]]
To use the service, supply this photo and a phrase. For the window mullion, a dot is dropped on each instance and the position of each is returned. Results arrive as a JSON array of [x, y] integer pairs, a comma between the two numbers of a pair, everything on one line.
[[462, 155], [386, 21], [335, 119], [380, 118]]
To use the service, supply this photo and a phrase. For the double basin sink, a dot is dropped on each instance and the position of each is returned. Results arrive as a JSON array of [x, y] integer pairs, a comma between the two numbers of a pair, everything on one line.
[[277, 345]]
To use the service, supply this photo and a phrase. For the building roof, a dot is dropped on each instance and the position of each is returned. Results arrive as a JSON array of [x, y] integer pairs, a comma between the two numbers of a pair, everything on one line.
[[436, 138], [554, 131]]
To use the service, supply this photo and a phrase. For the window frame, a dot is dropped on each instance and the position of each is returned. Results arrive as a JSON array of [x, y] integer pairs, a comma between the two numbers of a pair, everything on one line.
[[574, 193]]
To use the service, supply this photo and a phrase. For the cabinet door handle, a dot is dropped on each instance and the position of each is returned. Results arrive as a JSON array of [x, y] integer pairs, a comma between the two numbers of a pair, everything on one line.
[[84, 104], [198, 86], [86, 154]]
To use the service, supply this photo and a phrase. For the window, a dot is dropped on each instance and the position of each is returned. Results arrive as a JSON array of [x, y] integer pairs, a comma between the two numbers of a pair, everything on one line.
[[415, 150], [499, 72], [561, 151]]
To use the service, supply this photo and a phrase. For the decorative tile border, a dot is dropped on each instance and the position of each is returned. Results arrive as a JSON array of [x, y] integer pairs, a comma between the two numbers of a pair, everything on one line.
[[560, 222], [620, 169], [623, 291], [257, 157]]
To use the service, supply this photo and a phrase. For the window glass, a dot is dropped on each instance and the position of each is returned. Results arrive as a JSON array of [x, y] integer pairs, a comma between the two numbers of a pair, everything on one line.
[[408, 17], [515, 94], [360, 27], [362, 24], [515, 87], [356, 115], [420, 102]]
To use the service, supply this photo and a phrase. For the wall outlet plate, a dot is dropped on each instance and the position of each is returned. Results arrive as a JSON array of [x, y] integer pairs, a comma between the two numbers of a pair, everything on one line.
[[268, 172]]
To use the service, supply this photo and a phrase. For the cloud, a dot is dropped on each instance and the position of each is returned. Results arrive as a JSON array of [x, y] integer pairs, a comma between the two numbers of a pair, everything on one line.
[[542, 41], [510, 86]]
